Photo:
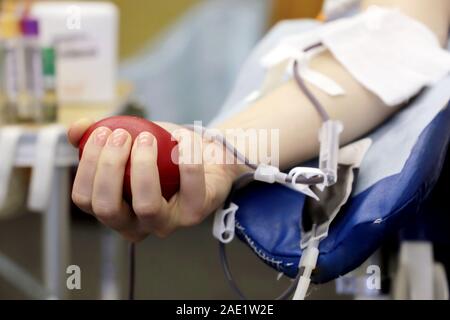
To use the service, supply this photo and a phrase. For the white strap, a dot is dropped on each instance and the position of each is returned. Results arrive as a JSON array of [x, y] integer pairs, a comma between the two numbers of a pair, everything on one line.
[[322, 82], [277, 73], [317, 79], [44, 167], [9, 138]]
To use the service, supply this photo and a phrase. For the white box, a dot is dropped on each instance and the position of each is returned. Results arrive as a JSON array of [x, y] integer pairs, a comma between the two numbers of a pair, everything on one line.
[[86, 38]]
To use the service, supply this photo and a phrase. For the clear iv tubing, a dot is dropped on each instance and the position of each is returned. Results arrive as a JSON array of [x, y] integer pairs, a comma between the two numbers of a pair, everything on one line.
[[11, 86], [244, 160], [317, 105]]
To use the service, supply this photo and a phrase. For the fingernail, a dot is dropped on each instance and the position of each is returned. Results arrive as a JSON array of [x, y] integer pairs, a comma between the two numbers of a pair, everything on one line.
[[101, 136], [145, 139], [118, 138]]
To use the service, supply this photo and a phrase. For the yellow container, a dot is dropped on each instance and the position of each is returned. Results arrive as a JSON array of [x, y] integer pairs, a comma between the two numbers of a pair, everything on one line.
[[9, 26]]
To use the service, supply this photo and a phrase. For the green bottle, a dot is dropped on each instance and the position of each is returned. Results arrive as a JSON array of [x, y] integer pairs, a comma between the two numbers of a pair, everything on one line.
[[2, 89], [49, 101]]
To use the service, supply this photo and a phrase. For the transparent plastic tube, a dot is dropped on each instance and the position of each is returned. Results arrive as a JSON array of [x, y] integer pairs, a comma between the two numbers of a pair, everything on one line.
[[49, 100], [33, 80], [329, 150], [10, 33], [10, 79]]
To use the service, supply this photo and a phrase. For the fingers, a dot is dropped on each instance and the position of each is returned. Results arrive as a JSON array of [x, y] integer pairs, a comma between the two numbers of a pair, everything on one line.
[[84, 179], [192, 180], [107, 201], [155, 215], [77, 130], [98, 183], [148, 203], [98, 186]]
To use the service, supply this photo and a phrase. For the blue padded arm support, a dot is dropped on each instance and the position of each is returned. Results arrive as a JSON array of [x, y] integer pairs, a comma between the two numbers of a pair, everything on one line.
[[269, 216]]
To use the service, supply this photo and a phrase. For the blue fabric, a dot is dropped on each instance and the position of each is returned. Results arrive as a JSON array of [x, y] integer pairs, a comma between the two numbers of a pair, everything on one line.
[[433, 222], [268, 219]]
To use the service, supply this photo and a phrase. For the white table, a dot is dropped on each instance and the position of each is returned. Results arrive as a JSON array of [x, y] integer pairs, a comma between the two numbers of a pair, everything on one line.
[[46, 150]]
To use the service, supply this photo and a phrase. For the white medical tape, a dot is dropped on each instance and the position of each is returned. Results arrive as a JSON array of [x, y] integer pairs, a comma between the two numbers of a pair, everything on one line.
[[278, 73], [381, 48]]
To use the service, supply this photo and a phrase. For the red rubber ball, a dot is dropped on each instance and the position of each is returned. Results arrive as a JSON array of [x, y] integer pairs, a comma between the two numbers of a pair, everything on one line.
[[169, 173]]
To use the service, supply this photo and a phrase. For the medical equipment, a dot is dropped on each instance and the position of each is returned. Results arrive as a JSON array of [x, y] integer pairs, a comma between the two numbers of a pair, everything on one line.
[[169, 174], [49, 100], [34, 83], [50, 156], [9, 33], [87, 65]]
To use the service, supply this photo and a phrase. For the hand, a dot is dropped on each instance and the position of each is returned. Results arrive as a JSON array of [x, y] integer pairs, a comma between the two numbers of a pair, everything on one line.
[[99, 180]]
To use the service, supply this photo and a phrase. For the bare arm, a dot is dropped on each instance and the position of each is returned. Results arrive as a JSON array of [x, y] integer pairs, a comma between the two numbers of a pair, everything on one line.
[[99, 181], [288, 110]]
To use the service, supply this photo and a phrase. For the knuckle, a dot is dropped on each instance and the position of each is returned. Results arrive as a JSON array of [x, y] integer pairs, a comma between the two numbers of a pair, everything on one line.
[[191, 168], [147, 210], [112, 221], [107, 213], [89, 158], [142, 161], [111, 163], [82, 201]]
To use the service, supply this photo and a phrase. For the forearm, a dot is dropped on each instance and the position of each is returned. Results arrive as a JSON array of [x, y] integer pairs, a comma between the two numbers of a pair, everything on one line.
[[287, 109]]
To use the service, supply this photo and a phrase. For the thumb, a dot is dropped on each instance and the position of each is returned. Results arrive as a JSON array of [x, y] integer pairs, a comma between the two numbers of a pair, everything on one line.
[[77, 129]]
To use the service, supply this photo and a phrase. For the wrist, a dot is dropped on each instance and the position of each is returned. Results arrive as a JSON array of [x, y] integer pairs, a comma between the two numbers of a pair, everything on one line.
[[226, 163]]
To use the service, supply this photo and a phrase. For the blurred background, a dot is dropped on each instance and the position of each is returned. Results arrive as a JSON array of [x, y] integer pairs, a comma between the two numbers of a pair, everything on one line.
[[166, 60]]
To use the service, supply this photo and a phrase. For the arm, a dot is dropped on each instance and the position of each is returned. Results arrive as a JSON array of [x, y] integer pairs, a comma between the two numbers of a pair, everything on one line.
[[204, 187], [359, 110]]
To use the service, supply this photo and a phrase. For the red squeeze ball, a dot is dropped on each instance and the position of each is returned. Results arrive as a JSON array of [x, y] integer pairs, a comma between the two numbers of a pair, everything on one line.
[[169, 174]]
